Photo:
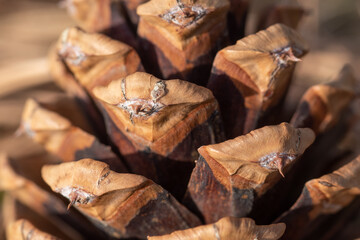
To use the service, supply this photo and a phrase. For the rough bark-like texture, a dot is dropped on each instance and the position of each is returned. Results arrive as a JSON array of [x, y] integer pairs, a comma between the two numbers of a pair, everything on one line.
[[124, 205], [324, 196], [322, 105], [336, 122], [66, 80], [180, 39], [253, 76], [13, 211], [81, 61], [158, 125], [104, 16], [64, 140], [41, 201], [95, 59], [237, 173], [228, 228], [23, 229]]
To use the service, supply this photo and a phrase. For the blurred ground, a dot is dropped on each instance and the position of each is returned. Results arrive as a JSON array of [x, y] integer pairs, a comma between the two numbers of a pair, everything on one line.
[[332, 28], [28, 27]]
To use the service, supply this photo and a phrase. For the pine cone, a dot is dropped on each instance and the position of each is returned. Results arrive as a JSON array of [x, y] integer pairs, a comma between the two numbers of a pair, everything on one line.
[[183, 130]]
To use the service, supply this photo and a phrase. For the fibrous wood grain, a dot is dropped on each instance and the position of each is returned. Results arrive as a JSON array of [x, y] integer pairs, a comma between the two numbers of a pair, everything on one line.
[[323, 196], [228, 228], [23, 229], [252, 76], [180, 37], [104, 16], [61, 138], [157, 125], [124, 205], [235, 174], [322, 105]]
